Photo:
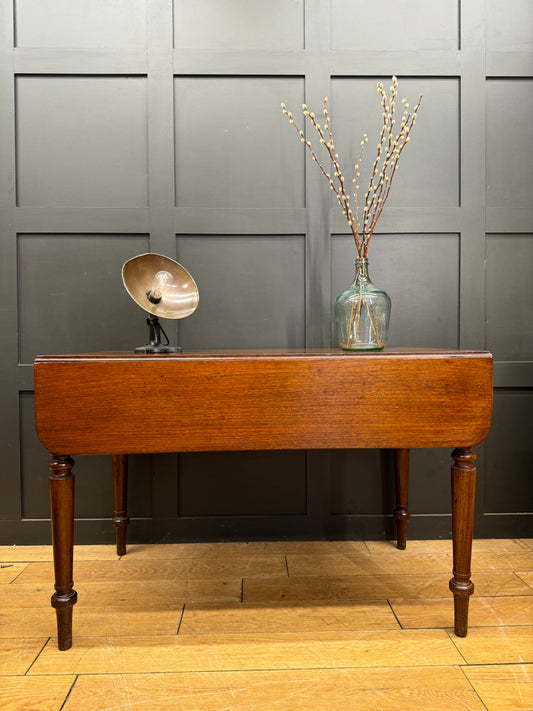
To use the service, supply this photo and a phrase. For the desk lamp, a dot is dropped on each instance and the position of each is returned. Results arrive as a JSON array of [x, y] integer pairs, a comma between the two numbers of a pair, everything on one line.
[[163, 288]]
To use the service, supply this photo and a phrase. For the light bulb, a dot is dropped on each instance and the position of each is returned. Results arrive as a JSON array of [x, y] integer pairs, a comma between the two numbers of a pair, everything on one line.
[[162, 282]]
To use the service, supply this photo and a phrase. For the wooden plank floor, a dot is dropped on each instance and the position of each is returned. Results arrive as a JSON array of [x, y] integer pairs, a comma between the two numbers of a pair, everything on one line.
[[261, 626]]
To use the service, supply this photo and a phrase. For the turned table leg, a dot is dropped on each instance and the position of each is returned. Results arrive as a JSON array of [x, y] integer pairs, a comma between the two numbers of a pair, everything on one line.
[[62, 514], [401, 513], [120, 493], [463, 494]]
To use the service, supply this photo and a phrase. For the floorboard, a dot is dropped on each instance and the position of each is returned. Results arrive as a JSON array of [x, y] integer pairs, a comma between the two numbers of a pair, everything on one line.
[[288, 625]]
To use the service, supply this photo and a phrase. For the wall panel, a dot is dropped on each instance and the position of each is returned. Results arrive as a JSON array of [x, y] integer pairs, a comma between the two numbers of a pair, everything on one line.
[[509, 297], [81, 24], [81, 141], [252, 291], [508, 26], [242, 484], [239, 24], [359, 25], [509, 454], [71, 296], [425, 301], [231, 149], [509, 142]]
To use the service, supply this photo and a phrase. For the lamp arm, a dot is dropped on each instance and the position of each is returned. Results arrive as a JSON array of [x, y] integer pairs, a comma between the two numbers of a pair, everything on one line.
[[155, 332]]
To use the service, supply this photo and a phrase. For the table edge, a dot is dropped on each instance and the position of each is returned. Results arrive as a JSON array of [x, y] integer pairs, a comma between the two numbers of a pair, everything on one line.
[[262, 354]]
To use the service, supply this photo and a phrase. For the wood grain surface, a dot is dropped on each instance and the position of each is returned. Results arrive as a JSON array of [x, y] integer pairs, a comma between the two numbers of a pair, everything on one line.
[[193, 643], [269, 400]]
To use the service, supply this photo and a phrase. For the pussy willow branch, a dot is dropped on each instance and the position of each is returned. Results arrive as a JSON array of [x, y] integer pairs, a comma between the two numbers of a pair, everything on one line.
[[340, 192], [356, 186], [389, 149], [370, 195], [399, 144], [330, 147]]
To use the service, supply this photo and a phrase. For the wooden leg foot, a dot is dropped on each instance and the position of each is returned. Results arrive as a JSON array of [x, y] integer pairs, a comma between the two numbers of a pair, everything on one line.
[[463, 499], [62, 515], [460, 606], [401, 512], [64, 621], [120, 492]]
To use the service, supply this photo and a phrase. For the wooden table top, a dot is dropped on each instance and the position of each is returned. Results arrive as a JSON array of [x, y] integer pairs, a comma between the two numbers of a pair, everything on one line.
[[120, 402]]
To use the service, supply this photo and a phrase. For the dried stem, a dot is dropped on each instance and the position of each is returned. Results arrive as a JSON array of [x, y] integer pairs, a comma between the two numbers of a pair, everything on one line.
[[327, 141], [389, 150], [399, 144], [372, 320]]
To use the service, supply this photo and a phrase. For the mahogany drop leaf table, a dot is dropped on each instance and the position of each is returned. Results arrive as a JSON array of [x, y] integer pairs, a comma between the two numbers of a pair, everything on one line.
[[120, 403]]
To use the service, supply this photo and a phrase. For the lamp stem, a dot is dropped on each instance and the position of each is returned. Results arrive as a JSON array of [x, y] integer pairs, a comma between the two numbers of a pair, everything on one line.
[[155, 345]]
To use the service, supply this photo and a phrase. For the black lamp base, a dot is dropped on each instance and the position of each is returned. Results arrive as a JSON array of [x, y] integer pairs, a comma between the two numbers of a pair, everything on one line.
[[157, 349], [155, 345]]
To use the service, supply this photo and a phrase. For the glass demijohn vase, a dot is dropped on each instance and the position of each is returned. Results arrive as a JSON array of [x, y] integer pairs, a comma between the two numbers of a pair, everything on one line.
[[362, 313]]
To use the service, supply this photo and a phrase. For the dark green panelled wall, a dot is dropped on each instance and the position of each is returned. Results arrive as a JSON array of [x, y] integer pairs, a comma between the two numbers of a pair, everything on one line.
[[152, 125]]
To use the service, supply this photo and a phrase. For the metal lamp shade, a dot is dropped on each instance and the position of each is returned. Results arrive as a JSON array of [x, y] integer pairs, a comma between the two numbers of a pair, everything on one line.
[[160, 286]]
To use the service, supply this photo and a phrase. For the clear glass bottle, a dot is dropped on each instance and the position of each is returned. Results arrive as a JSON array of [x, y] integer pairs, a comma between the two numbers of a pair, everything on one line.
[[362, 313]]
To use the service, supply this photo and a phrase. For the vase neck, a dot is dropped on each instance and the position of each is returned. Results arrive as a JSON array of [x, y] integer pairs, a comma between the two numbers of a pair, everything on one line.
[[361, 271]]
